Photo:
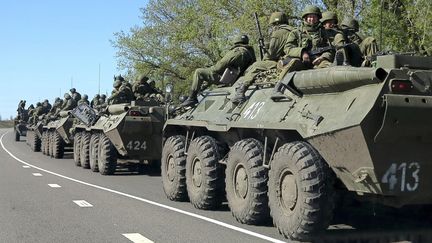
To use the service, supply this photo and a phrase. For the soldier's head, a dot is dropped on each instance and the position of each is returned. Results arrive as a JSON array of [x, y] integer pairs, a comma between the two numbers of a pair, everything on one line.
[[142, 78], [350, 24], [97, 96], [31, 106], [117, 84], [67, 96], [46, 101], [73, 90], [119, 77], [85, 97], [241, 39], [152, 83], [329, 20], [57, 99], [103, 96], [278, 18], [38, 104], [311, 15]]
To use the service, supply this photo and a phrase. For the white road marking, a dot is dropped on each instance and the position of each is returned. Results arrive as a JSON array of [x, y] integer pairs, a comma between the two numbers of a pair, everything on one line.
[[210, 220], [54, 185], [26, 166], [137, 238], [37, 174], [83, 204]]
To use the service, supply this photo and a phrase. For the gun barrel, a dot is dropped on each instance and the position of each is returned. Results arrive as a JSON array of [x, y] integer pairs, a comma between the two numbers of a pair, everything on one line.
[[336, 79], [118, 108]]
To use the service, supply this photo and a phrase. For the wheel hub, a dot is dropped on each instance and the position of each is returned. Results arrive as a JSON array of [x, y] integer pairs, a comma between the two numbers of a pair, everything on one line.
[[170, 168], [196, 172], [288, 190], [240, 181]]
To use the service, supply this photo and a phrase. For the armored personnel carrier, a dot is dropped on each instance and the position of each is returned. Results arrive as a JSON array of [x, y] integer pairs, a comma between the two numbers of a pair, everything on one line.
[[126, 134], [20, 128], [34, 136], [291, 148], [56, 135]]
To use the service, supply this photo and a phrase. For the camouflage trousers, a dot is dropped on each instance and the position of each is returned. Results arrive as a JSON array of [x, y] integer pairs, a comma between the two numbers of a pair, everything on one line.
[[204, 74], [295, 64], [252, 73]]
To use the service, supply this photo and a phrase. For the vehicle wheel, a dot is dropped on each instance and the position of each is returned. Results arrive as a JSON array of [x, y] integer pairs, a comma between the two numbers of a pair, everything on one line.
[[94, 151], [107, 160], [58, 146], [85, 150], [17, 135], [173, 168], [37, 143], [204, 179], [44, 142], [77, 148], [301, 193], [246, 182]]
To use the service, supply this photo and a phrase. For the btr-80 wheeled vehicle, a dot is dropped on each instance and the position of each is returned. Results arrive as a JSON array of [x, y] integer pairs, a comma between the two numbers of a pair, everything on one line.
[[282, 152], [126, 134], [56, 135], [34, 136], [20, 125]]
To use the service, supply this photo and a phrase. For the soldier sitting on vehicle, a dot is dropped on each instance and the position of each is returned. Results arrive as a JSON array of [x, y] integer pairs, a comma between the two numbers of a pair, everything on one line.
[[310, 46], [84, 100], [75, 95], [237, 60], [368, 45], [121, 93], [95, 101], [68, 103], [46, 106], [143, 88], [274, 52], [21, 108]]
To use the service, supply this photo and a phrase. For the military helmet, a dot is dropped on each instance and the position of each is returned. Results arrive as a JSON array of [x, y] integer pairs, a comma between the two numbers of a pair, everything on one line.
[[117, 84], [57, 99], [329, 15], [103, 96], [152, 83], [311, 9], [97, 96], [67, 96], [85, 96], [45, 101], [142, 78], [241, 39], [38, 104], [278, 18], [31, 106], [119, 77], [73, 90], [350, 23]]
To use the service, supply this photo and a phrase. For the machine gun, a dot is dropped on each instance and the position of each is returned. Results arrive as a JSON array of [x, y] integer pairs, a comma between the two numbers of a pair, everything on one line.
[[261, 38]]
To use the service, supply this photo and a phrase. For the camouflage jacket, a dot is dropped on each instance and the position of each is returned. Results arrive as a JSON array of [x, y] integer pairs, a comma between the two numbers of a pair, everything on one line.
[[122, 95], [69, 104], [278, 41], [239, 57]]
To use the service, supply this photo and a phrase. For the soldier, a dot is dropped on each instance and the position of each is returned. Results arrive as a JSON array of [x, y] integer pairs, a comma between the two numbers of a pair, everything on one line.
[[21, 107], [368, 45], [84, 100], [275, 51], [238, 59], [69, 102], [95, 101], [38, 111], [75, 95], [120, 94], [142, 88], [46, 106], [58, 103], [310, 36]]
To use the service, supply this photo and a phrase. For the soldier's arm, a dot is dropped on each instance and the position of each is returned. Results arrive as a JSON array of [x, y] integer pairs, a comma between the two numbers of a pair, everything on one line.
[[292, 47], [225, 62]]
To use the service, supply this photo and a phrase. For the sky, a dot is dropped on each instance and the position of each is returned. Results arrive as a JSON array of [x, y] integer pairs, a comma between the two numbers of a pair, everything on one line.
[[48, 46]]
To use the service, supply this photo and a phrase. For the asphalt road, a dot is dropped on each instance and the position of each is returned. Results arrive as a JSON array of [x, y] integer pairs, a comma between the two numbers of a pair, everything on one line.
[[52, 200]]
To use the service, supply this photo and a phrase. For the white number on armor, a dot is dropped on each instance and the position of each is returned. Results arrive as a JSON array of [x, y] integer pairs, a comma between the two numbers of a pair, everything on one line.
[[405, 174], [136, 145], [253, 110]]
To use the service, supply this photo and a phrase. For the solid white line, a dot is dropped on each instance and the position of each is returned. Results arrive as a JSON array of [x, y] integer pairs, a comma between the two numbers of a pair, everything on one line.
[[37, 174], [210, 220], [26, 166], [83, 204], [54, 185], [137, 238]]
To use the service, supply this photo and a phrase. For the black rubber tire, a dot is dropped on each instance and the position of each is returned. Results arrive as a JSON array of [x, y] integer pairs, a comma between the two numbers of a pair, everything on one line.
[[37, 143], [246, 182], [107, 158], [85, 150], [58, 146], [173, 168], [44, 143], [17, 135], [77, 148], [51, 143], [299, 167], [94, 152], [204, 180]]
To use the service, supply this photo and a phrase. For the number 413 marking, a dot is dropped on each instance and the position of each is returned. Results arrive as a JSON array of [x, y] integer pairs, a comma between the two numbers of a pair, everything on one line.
[[401, 174]]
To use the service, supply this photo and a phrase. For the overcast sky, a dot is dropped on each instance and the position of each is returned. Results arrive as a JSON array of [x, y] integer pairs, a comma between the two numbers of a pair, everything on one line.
[[49, 45]]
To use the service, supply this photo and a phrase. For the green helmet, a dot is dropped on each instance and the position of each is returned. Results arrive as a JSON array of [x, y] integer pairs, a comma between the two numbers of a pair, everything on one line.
[[117, 84], [350, 23], [142, 78], [72, 90], [119, 77], [278, 18], [329, 15], [67, 96], [241, 39], [311, 9], [152, 83], [38, 104], [85, 97]]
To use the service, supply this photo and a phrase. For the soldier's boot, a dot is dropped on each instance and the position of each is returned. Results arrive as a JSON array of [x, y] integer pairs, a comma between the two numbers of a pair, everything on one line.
[[191, 100], [239, 96]]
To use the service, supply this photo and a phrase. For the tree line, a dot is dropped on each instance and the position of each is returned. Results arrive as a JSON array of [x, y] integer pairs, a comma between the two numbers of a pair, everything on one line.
[[178, 36]]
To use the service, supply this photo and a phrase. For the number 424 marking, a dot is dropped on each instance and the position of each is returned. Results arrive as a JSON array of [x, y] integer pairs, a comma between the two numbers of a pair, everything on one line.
[[402, 174], [136, 145]]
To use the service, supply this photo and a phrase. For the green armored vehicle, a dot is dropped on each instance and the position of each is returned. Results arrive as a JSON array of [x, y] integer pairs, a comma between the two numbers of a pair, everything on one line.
[[20, 128], [34, 136], [127, 134], [290, 148], [56, 135]]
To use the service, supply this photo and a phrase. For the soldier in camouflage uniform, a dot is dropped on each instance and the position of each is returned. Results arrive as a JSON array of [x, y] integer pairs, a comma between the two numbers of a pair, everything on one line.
[[308, 37], [75, 95], [38, 111], [238, 58], [69, 103], [368, 45], [84, 100], [95, 101], [46, 106], [275, 51], [121, 93]]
